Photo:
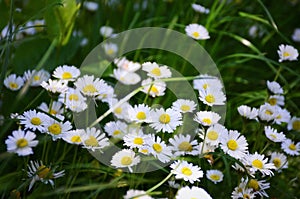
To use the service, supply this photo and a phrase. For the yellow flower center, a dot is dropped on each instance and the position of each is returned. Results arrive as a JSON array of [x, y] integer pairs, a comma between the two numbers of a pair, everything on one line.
[[196, 34], [118, 110], [232, 145], [76, 139], [254, 185], [277, 162], [185, 146], [268, 112], [154, 89], [13, 85], [156, 71], [92, 141], [207, 121], [292, 147], [186, 171], [272, 101], [90, 88], [44, 172], [205, 86], [53, 112], [246, 196], [257, 163], [286, 54], [138, 141], [215, 177], [21, 143], [35, 121], [67, 75], [116, 132], [296, 125], [55, 129], [164, 118], [73, 97], [145, 151], [141, 115], [126, 160], [36, 78], [185, 108], [157, 147], [110, 51], [212, 135], [210, 98]]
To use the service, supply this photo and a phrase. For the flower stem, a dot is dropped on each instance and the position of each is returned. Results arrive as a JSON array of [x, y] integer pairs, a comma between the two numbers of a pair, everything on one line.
[[159, 184]]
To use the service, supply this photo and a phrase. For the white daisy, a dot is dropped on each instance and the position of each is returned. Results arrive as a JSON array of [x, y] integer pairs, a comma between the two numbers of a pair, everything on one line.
[[182, 145], [287, 52], [93, 139], [136, 139], [76, 106], [13, 82], [248, 112], [206, 148], [125, 158], [74, 136], [200, 8], [197, 32], [106, 31], [194, 192], [33, 120], [57, 128], [212, 97], [240, 189], [258, 162], [296, 35], [91, 6], [70, 96], [214, 175], [110, 49], [89, 85], [184, 105], [274, 87], [259, 187], [234, 144], [158, 148], [156, 71], [36, 77], [55, 86], [37, 171], [56, 108], [290, 148], [139, 113], [65, 72], [127, 65], [294, 124], [126, 77], [21, 142], [282, 116], [273, 135], [165, 120], [213, 134], [136, 194], [267, 112], [154, 88], [276, 100], [246, 193], [279, 160], [116, 129], [121, 112], [107, 93], [186, 171], [173, 184], [207, 118], [204, 82]]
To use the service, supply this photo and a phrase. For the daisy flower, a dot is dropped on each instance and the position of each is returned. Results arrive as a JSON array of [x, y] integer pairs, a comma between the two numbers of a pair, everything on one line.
[[197, 32], [76, 106], [287, 52], [56, 108], [13, 82], [36, 77], [194, 192], [125, 158], [165, 120], [207, 118], [259, 187], [33, 120], [258, 162], [240, 189], [106, 94], [234, 144], [276, 100], [282, 116], [74, 136], [158, 148], [89, 85], [154, 88], [290, 148], [121, 112], [200, 8], [110, 49], [37, 171], [243, 193], [184, 105], [106, 31], [186, 171], [70, 96], [294, 124], [57, 128], [274, 87], [182, 145], [279, 160], [248, 112], [212, 97], [213, 134], [21, 142], [93, 139], [296, 35], [214, 175], [91, 6], [125, 77], [136, 139], [205, 82], [138, 194], [116, 129], [65, 72], [55, 86], [267, 112], [273, 135], [140, 113], [127, 65], [156, 71]]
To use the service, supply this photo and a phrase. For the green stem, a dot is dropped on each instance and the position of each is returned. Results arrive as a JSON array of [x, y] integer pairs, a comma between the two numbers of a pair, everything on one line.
[[278, 73], [159, 184]]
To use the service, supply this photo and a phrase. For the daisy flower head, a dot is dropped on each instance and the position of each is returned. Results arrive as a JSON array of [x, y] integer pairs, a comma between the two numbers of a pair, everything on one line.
[[234, 144], [125, 158], [107, 93], [76, 106], [207, 118], [197, 32], [183, 144], [248, 112], [72, 95], [33, 120], [213, 134], [126, 77], [282, 116], [115, 129], [165, 120], [194, 192], [14, 83], [184, 105], [37, 171], [138, 194], [267, 112], [294, 124], [279, 160], [158, 148], [119, 110], [67, 73], [214, 175], [140, 113], [273, 135], [74, 136], [186, 171], [55, 86], [110, 49], [200, 8], [91, 6], [259, 187], [106, 31], [155, 71], [276, 100], [57, 128], [287, 52], [240, 189], [89, 85], [127, 65], [36, 77], [274, 87], [290, 147], [204, 82], [173, 184], [136, 139], [212, 97], [56, 108], [93, 139], [154, 88], [21, 142], [296, 35], [243, 193], [258, 162]]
